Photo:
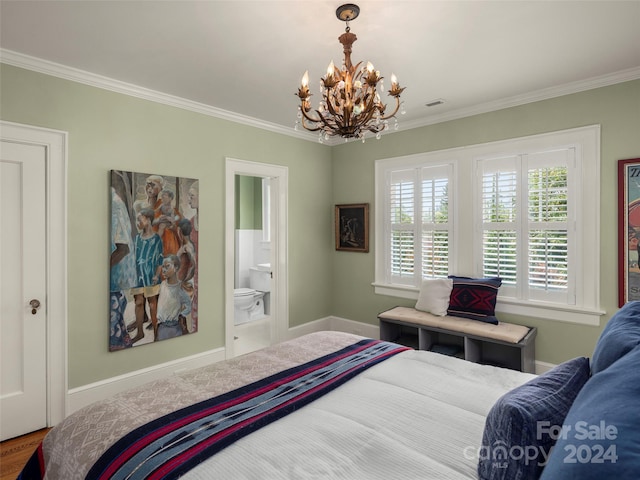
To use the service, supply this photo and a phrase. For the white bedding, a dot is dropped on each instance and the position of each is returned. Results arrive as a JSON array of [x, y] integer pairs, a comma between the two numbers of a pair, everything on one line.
[[417, 415]]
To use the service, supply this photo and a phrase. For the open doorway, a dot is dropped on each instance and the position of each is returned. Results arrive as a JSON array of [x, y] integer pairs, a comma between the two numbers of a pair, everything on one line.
[[256, 297]]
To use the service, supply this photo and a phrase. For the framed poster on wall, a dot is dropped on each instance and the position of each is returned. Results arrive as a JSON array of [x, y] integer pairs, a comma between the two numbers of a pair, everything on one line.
[[628, 230]]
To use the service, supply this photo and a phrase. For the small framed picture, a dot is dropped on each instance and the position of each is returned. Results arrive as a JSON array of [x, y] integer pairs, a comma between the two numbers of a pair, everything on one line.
[[352, 227], [628, 230]]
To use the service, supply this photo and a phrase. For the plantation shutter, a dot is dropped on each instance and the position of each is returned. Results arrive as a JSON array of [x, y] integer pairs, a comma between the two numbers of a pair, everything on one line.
[[526, 239], [402, 212], [435, 222], [418, 208], [549, 245], [500, 221]]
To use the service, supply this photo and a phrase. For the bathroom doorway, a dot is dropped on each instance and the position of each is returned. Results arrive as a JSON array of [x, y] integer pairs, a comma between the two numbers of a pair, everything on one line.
[[256, 305]]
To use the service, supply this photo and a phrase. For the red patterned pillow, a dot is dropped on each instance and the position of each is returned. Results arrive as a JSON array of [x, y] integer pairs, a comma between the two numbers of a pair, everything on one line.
[[474, 298]]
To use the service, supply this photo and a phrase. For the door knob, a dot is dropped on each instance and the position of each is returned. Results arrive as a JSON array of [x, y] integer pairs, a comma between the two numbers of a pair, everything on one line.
[[35, 305]]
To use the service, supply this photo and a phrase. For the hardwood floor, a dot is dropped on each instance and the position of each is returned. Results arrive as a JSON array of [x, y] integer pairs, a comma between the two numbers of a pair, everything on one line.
[[15, 452]]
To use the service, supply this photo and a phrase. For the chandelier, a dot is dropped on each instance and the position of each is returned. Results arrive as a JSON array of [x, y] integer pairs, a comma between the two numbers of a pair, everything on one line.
[[350, 105]]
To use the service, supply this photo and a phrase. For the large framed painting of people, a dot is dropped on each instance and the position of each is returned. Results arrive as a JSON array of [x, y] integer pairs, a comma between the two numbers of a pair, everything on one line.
[[628, 230], [153, 258]]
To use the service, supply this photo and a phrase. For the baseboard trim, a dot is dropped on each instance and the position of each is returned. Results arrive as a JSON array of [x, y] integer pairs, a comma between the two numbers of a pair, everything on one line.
[[542, 367], [336, 324], [85, 395], [340, 324], [82, 396], [319, 325]]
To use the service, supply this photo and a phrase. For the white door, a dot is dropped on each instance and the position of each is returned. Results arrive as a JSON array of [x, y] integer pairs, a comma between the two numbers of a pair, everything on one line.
[[23, 289]]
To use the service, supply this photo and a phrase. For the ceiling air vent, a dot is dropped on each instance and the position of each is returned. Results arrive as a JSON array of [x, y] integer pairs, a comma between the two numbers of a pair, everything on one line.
[[435, 103]]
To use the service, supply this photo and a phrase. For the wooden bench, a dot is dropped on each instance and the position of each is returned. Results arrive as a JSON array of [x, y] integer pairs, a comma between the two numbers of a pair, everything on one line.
[[505, 344]]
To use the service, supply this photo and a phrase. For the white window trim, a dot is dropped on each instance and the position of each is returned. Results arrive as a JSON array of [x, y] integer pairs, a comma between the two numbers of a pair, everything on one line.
[[586, 140]]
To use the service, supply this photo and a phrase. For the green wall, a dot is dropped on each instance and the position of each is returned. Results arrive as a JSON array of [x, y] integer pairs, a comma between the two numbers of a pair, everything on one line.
[[113, 131], [248, 202], [616, 108]]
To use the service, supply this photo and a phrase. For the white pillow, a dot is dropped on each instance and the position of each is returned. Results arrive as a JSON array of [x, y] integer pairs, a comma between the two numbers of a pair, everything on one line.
[[434, 296]]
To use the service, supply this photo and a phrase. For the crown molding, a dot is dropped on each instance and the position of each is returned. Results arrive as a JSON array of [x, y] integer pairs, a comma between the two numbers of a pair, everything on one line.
[[531, 97], [87, 78], [76, 75], [517, 100]]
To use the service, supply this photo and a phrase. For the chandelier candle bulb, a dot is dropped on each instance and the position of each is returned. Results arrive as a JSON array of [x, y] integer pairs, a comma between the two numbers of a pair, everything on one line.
[[331, 69], [350, 105]]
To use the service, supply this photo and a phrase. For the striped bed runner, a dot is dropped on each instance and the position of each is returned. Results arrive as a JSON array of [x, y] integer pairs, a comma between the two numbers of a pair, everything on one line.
[[169, 446]]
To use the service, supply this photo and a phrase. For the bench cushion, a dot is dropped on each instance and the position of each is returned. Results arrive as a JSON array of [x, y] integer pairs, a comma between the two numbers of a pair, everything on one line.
[[507, 332]]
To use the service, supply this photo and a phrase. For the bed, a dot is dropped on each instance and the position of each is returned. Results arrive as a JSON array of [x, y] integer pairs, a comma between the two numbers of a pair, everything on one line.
[[325, 405]]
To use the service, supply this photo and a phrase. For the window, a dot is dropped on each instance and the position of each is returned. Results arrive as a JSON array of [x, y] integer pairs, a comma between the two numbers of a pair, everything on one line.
[[419, 220], [525, 202], [526, 210]]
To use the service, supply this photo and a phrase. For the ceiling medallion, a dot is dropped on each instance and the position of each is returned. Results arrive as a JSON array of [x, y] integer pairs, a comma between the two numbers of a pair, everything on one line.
[[350, 105]]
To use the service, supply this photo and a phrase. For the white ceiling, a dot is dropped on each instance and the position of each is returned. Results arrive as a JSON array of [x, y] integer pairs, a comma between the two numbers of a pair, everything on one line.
[[247, 57]]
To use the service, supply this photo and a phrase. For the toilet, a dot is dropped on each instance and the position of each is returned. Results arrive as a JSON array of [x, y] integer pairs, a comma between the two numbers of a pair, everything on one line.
[[260, 277], [248, 304]]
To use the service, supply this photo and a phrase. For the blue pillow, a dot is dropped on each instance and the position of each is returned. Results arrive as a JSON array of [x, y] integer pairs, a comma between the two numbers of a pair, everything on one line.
[[602, 439], [619, 337], [516, 441], [474, 298]]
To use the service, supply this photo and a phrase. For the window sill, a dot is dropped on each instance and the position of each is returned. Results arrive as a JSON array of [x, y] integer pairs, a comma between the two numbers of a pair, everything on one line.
[[542, 310]]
